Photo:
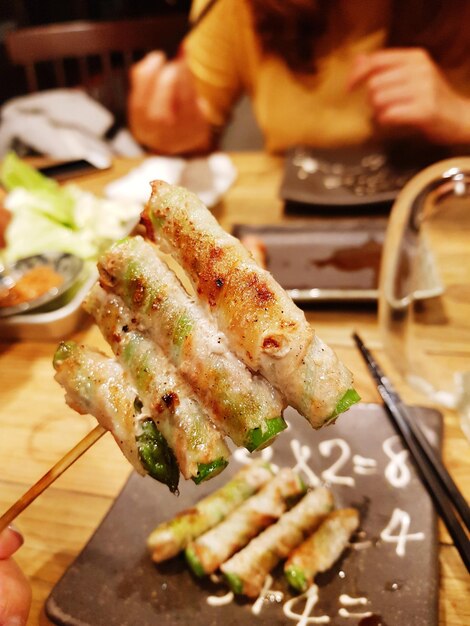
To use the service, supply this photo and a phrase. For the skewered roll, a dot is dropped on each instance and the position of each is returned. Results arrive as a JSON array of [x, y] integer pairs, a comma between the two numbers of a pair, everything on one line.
[[263, 325], [198, 446]]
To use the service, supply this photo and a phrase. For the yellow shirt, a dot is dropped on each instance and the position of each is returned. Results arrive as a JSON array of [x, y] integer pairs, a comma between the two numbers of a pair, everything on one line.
[[226, 60]]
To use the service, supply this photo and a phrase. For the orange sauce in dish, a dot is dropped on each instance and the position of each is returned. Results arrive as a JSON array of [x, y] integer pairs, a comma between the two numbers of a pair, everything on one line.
[[33, 284]]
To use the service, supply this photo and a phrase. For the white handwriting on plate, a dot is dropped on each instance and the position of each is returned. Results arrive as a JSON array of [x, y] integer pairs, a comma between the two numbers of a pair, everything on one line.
[[220, 600], [345, 613], [346, 600], [330, 475], [400, 519], [364, 465], [397, 472], [311, 597], [302, 455], [267, 595], [244, 457]]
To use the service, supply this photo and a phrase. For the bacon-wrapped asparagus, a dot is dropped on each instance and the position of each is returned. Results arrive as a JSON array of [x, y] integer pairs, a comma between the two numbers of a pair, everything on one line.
[[242, 405], [265, 328], [98, 385], [198, 446], [170, 537], [206, 553], [247, 569], [318, 553]]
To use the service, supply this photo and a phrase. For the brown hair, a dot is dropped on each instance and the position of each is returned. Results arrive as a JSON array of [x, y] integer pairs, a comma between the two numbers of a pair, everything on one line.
[[290, 28], [439, 26]]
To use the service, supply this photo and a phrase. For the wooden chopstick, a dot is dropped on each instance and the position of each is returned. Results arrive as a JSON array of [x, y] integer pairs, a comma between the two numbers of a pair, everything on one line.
[[48, 478], [439, 484]]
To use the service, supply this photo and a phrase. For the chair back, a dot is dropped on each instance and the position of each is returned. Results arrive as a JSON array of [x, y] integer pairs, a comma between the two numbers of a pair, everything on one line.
[[94, 55]]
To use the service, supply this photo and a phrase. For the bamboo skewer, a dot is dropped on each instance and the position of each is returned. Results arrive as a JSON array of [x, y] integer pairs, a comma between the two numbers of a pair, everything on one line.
[[49, 477]]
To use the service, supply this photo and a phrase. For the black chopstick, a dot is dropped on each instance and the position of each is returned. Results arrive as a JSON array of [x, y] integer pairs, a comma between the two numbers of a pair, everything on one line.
[[204, 12], [439, 484], [447, 482]]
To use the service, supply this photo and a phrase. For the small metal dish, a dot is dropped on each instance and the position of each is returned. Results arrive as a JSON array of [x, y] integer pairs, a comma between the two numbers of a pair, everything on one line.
[[67, 265]]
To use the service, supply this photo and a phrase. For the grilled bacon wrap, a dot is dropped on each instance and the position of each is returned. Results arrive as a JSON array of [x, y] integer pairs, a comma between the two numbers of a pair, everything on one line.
[[262, 321], [243, 406], [178, 415], [263, 325]]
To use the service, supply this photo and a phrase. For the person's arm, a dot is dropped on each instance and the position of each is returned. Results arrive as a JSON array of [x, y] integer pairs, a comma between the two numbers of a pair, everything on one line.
[[15, 592], [165, 113], [406, 88], [180, 106]]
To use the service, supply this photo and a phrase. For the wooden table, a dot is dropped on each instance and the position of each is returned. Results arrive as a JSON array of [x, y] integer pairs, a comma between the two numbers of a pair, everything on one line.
[[37, 428]]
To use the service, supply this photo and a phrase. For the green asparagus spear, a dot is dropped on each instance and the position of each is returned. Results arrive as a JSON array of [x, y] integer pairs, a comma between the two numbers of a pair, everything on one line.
[[319, 552], [243, 406], [97, 385], [207, 552], [156, 456], [344, 403], [247, 569], [170, 537]]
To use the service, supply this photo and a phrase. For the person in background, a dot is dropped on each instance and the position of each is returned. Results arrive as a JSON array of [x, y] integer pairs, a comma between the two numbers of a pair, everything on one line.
[[15, 592], [324, 73]]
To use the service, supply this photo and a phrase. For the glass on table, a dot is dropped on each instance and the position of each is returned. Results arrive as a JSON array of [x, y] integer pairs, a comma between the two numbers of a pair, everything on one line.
[[424, 291]]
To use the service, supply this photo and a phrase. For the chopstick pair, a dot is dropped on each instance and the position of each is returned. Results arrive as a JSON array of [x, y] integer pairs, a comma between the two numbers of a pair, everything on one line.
[[49, 477], [444, 492]]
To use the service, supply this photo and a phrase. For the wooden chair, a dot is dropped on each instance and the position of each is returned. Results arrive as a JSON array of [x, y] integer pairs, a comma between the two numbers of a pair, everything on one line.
[[94, 55]]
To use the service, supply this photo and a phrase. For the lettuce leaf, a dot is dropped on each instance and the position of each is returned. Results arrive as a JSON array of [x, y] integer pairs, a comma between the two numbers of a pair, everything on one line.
[[17, 173], [51, 199], [46, 216]]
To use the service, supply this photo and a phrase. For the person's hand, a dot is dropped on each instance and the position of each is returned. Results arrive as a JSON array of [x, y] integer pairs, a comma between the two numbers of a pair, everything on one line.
[[406, 88], [15, 592], [164, 111]]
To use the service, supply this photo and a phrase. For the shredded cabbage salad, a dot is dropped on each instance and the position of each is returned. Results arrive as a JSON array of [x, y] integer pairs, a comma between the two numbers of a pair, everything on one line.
[[47, 216]]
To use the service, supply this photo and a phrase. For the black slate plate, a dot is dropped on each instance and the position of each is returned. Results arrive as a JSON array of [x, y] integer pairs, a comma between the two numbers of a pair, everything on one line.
[[331, 259], [114, 582], [352, 178]]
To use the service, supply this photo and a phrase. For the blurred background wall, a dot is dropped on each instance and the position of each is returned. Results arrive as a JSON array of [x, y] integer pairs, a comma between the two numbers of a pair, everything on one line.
[[21, 13]]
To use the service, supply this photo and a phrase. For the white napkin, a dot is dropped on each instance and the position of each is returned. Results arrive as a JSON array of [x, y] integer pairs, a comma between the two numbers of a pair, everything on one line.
[[208, 177], [63, 124]]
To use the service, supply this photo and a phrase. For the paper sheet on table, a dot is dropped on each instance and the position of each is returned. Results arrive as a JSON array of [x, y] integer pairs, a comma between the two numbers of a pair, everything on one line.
[[208, 177]]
